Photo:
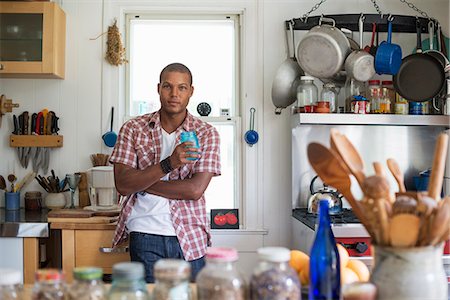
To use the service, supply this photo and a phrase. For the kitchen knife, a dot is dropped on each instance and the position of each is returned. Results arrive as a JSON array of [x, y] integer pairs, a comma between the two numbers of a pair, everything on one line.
[[25, 122], [55, 127], [41, 124], [38, 122], [33, 123], [49, 123], [16, 125], [20, 124]]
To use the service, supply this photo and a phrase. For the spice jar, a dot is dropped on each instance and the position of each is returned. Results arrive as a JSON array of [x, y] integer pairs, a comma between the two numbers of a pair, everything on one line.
[[172, 280], [49, 285], [353, 88], [220, 279], [307, 94], [87, 285], [10, 288], [273, 278], [360, 105], [374, 96], [328, 98], [401, 105], [128, 282], [388, 96]]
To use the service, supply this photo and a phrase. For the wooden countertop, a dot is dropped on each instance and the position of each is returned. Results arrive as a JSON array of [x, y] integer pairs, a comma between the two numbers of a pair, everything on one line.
[[82, 226]]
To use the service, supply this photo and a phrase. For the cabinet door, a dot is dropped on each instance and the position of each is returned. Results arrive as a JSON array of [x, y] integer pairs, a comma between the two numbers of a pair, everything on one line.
[[88, 253], [32, 40]]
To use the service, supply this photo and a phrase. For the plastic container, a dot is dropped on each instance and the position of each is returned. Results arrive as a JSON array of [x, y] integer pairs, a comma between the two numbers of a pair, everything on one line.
[[307, 94], [10, 284], [374, 96], [87, 284], [190, 136], [220, 279], [324, 264], [353, 88], [172, 280], [128, 282], [49, 285], [328, 98], [273, 278]]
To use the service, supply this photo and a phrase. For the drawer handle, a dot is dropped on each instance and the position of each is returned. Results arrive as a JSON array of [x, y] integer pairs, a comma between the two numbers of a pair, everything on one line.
[[113, 250]]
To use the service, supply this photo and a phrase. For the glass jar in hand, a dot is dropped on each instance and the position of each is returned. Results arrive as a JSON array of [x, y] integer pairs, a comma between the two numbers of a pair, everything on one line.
[[190, 136], [307, 94]]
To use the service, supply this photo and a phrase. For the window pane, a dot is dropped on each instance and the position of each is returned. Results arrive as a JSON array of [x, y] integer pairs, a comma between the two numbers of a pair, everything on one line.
[[206, 47]]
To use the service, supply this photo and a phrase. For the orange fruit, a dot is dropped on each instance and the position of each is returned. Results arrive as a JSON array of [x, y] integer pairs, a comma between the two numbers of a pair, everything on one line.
[[359, 268], [348, 276], [304, 275], [298, 260], [343, 255]]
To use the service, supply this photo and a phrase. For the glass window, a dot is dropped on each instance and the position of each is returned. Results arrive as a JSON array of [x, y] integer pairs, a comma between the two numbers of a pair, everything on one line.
[[208, 46]]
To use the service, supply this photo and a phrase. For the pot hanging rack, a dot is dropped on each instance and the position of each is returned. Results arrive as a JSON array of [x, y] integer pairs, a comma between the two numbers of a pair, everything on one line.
[[400, 23]]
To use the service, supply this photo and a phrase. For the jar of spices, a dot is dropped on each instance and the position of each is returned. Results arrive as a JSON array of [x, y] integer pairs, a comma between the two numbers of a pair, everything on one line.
[[401, 105], [87, 285], [307, 94], [273, 278], [220, 279], [374, 96], [353, 88], [172, 280], [328, 98], [10, 287], [360, 105], [388, 96], [49, 285], [128, 282]]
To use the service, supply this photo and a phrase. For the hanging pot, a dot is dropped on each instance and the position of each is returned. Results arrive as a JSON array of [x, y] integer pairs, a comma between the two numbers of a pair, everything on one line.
[[389, 56], [284, 85], [322, 52], [110, 137], [324, 193], [421, 76]]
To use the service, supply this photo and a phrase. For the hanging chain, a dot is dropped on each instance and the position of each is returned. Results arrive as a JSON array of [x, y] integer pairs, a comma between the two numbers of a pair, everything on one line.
[[412, 6], [376, 7], [304, 18]]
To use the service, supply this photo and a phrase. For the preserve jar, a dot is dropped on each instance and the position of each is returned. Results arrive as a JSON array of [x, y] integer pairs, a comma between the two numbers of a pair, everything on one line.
[[49, 285], [401, 105], [273, 278], [87, 284], [10, 287], [128, 282], [307, 94], [374, 96], [328, 98], [172, 280], [220, 279], [353, 88], [387, 97]]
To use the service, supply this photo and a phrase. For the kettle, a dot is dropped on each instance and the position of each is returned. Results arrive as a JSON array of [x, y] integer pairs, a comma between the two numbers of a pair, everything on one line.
[[333, 197]]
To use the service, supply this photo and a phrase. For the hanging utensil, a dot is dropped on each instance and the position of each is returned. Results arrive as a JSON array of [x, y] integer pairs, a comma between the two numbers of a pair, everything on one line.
[[389, 56], [251, 136], [110, 137]]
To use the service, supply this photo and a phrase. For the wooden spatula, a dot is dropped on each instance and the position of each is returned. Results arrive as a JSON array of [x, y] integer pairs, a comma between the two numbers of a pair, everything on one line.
[[437, 171]]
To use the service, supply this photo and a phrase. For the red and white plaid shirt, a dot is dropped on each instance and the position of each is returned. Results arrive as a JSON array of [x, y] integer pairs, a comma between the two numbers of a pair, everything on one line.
[[139, 146]]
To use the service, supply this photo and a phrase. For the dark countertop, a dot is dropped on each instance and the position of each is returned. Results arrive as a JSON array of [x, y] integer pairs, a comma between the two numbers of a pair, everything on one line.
[[23, 223]]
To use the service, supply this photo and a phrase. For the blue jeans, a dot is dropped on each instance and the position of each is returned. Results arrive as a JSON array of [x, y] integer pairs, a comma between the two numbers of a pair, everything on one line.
[[149, 248]]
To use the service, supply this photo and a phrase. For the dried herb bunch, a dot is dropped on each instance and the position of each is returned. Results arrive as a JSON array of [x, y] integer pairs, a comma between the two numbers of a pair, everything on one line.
[[115, 52]]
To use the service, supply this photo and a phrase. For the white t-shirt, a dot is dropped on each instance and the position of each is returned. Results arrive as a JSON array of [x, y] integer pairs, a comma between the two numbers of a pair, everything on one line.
[[150, 213]]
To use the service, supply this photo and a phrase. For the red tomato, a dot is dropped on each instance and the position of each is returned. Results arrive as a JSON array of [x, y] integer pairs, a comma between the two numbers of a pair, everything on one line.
[[231, 218], [220, 220]]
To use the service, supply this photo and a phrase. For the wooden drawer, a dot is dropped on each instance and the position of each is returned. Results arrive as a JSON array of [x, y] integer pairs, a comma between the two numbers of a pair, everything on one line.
[[87, 250]]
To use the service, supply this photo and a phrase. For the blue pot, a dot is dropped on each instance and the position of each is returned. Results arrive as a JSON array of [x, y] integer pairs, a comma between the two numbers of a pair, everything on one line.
[[389, 56]]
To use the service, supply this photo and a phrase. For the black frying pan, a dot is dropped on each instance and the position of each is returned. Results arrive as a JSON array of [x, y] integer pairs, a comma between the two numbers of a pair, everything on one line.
[[421, 76]]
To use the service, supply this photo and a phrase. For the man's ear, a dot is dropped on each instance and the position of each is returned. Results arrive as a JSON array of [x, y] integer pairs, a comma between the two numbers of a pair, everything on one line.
[[192, 90], [157, 87]]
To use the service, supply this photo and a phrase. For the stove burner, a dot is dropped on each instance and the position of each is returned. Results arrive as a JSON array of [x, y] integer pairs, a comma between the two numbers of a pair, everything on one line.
[[346, 217]]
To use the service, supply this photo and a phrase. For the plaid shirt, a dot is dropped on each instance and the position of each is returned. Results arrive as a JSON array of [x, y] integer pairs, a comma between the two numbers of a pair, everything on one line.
[[139, 146]]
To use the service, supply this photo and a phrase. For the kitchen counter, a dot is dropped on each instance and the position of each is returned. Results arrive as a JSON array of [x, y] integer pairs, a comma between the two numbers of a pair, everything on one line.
[[23, 223]]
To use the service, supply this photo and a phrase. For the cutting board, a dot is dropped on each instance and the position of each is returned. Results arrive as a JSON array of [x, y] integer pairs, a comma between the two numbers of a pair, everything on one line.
[[91, 220], [80, 213]]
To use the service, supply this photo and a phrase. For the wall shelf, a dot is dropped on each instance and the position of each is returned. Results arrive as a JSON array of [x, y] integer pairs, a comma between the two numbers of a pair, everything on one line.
[[48, 141], [400, 23]]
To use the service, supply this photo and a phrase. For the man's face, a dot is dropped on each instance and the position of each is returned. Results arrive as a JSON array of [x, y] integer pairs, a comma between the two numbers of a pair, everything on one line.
[[174, 92]]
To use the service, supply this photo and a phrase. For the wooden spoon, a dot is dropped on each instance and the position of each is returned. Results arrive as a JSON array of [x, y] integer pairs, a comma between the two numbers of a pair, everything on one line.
[[379, 170], [348, 153], [2, 183], [404, 230], [327, 165], [441, 222], [437, 171], [397, 173]]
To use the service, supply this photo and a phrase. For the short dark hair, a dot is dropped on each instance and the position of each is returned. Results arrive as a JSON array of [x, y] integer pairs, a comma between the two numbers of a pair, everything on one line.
[[176, 67]]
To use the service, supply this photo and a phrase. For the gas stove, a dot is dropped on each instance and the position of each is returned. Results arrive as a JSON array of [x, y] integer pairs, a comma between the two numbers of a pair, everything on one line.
[[310, 219]]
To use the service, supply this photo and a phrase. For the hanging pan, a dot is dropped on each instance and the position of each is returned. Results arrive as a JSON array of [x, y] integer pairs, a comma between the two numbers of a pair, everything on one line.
[[421, 76], [284, 85], [110, 137]]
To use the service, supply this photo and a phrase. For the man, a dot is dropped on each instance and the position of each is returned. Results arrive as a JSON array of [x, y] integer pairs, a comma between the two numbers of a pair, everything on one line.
[[164, 212]]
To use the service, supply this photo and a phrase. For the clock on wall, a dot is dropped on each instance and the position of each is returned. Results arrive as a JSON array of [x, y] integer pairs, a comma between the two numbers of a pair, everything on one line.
[[203, 109]]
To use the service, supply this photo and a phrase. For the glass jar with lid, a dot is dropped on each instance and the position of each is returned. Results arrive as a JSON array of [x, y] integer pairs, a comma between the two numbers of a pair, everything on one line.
[[172, 280], [10, 287], [374, 96], [49, 284], [328, 98], [353, 88], [273, 278], [87, 284], [388, 97], [220, 279], [128, 282], [307, 94]]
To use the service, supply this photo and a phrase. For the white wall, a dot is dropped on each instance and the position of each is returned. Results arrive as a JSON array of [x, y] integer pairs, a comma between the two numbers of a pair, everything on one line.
[[91, 86]]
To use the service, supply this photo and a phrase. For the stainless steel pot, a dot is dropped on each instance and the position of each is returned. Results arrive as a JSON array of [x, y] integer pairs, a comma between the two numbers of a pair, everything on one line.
[[287, 78], [324, 193], [322, 52]]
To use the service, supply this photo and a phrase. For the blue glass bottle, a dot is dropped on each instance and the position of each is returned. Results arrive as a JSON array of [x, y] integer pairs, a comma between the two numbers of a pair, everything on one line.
[[325, 270]]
